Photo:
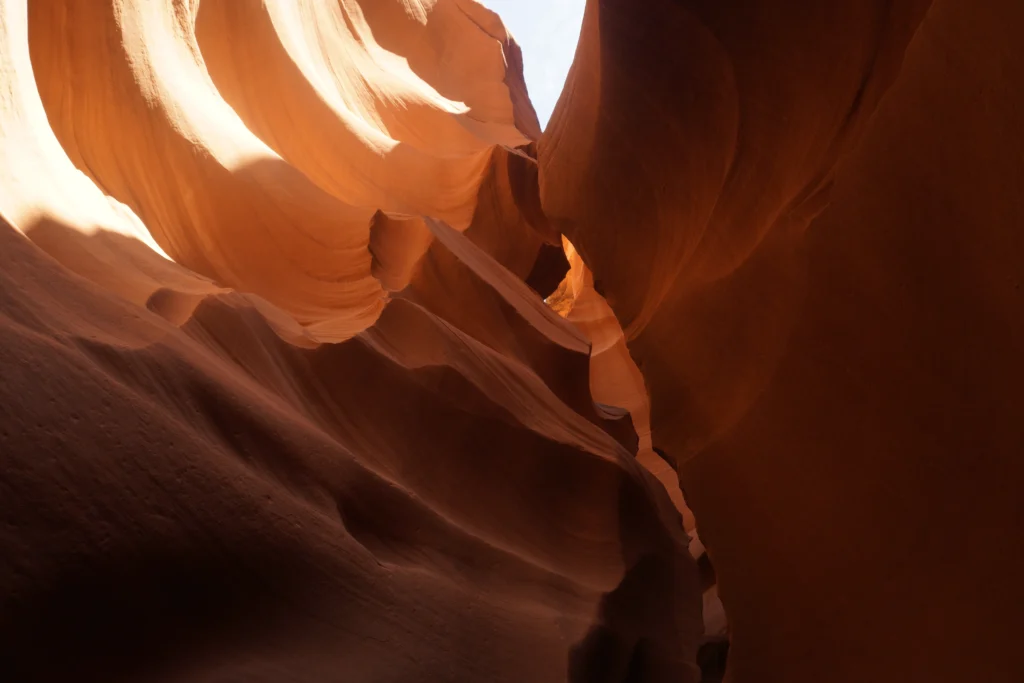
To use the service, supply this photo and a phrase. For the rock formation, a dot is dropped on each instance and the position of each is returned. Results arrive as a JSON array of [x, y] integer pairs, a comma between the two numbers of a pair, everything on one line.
[[806, 218], [320, 361]]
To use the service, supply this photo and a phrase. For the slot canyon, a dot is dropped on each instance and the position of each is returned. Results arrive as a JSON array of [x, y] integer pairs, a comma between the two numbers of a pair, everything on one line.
[[322, 360]]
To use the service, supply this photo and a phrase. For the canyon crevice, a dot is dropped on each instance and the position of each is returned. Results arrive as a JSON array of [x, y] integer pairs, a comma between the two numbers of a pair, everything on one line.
[[322, 360]]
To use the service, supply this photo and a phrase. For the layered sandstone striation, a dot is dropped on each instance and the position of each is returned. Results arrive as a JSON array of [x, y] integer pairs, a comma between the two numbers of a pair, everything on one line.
[[806, 218], [282, 399], [321, 362]]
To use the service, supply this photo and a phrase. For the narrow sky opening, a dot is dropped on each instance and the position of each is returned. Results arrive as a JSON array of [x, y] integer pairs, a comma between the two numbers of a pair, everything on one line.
[[548, 31]]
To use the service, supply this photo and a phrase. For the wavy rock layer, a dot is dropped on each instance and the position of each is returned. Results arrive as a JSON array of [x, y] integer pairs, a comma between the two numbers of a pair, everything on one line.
[[283, 400], [196, 484], [806, 218]]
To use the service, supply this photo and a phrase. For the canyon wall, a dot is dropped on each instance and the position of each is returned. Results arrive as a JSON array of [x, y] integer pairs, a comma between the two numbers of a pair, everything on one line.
[[807, 217], [320, 361]]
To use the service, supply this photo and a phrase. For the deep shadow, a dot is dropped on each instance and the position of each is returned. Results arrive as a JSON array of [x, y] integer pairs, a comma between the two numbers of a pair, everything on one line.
[[548, 271], [643, 626], [712, 658]]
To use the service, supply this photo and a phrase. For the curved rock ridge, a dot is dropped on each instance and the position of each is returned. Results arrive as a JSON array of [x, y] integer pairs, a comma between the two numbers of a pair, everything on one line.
[[242, 512], [44, 196], [228, 453], [320, 361], [806, 218], [270, 184], [615, 380], [353, 116]]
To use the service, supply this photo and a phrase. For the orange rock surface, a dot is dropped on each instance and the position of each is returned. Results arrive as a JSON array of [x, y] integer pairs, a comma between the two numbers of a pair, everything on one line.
[[806, 218], [320, 361]]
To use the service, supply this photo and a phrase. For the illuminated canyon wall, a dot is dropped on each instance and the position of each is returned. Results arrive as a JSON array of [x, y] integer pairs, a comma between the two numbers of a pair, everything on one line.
[[320, 361]]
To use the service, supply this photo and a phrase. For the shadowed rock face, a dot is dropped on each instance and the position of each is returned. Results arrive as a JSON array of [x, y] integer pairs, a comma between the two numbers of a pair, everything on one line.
[[806, 218], [284, 401]]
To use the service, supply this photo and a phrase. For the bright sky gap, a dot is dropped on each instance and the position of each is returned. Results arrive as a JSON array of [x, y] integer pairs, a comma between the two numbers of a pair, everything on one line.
[[547, 30]]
